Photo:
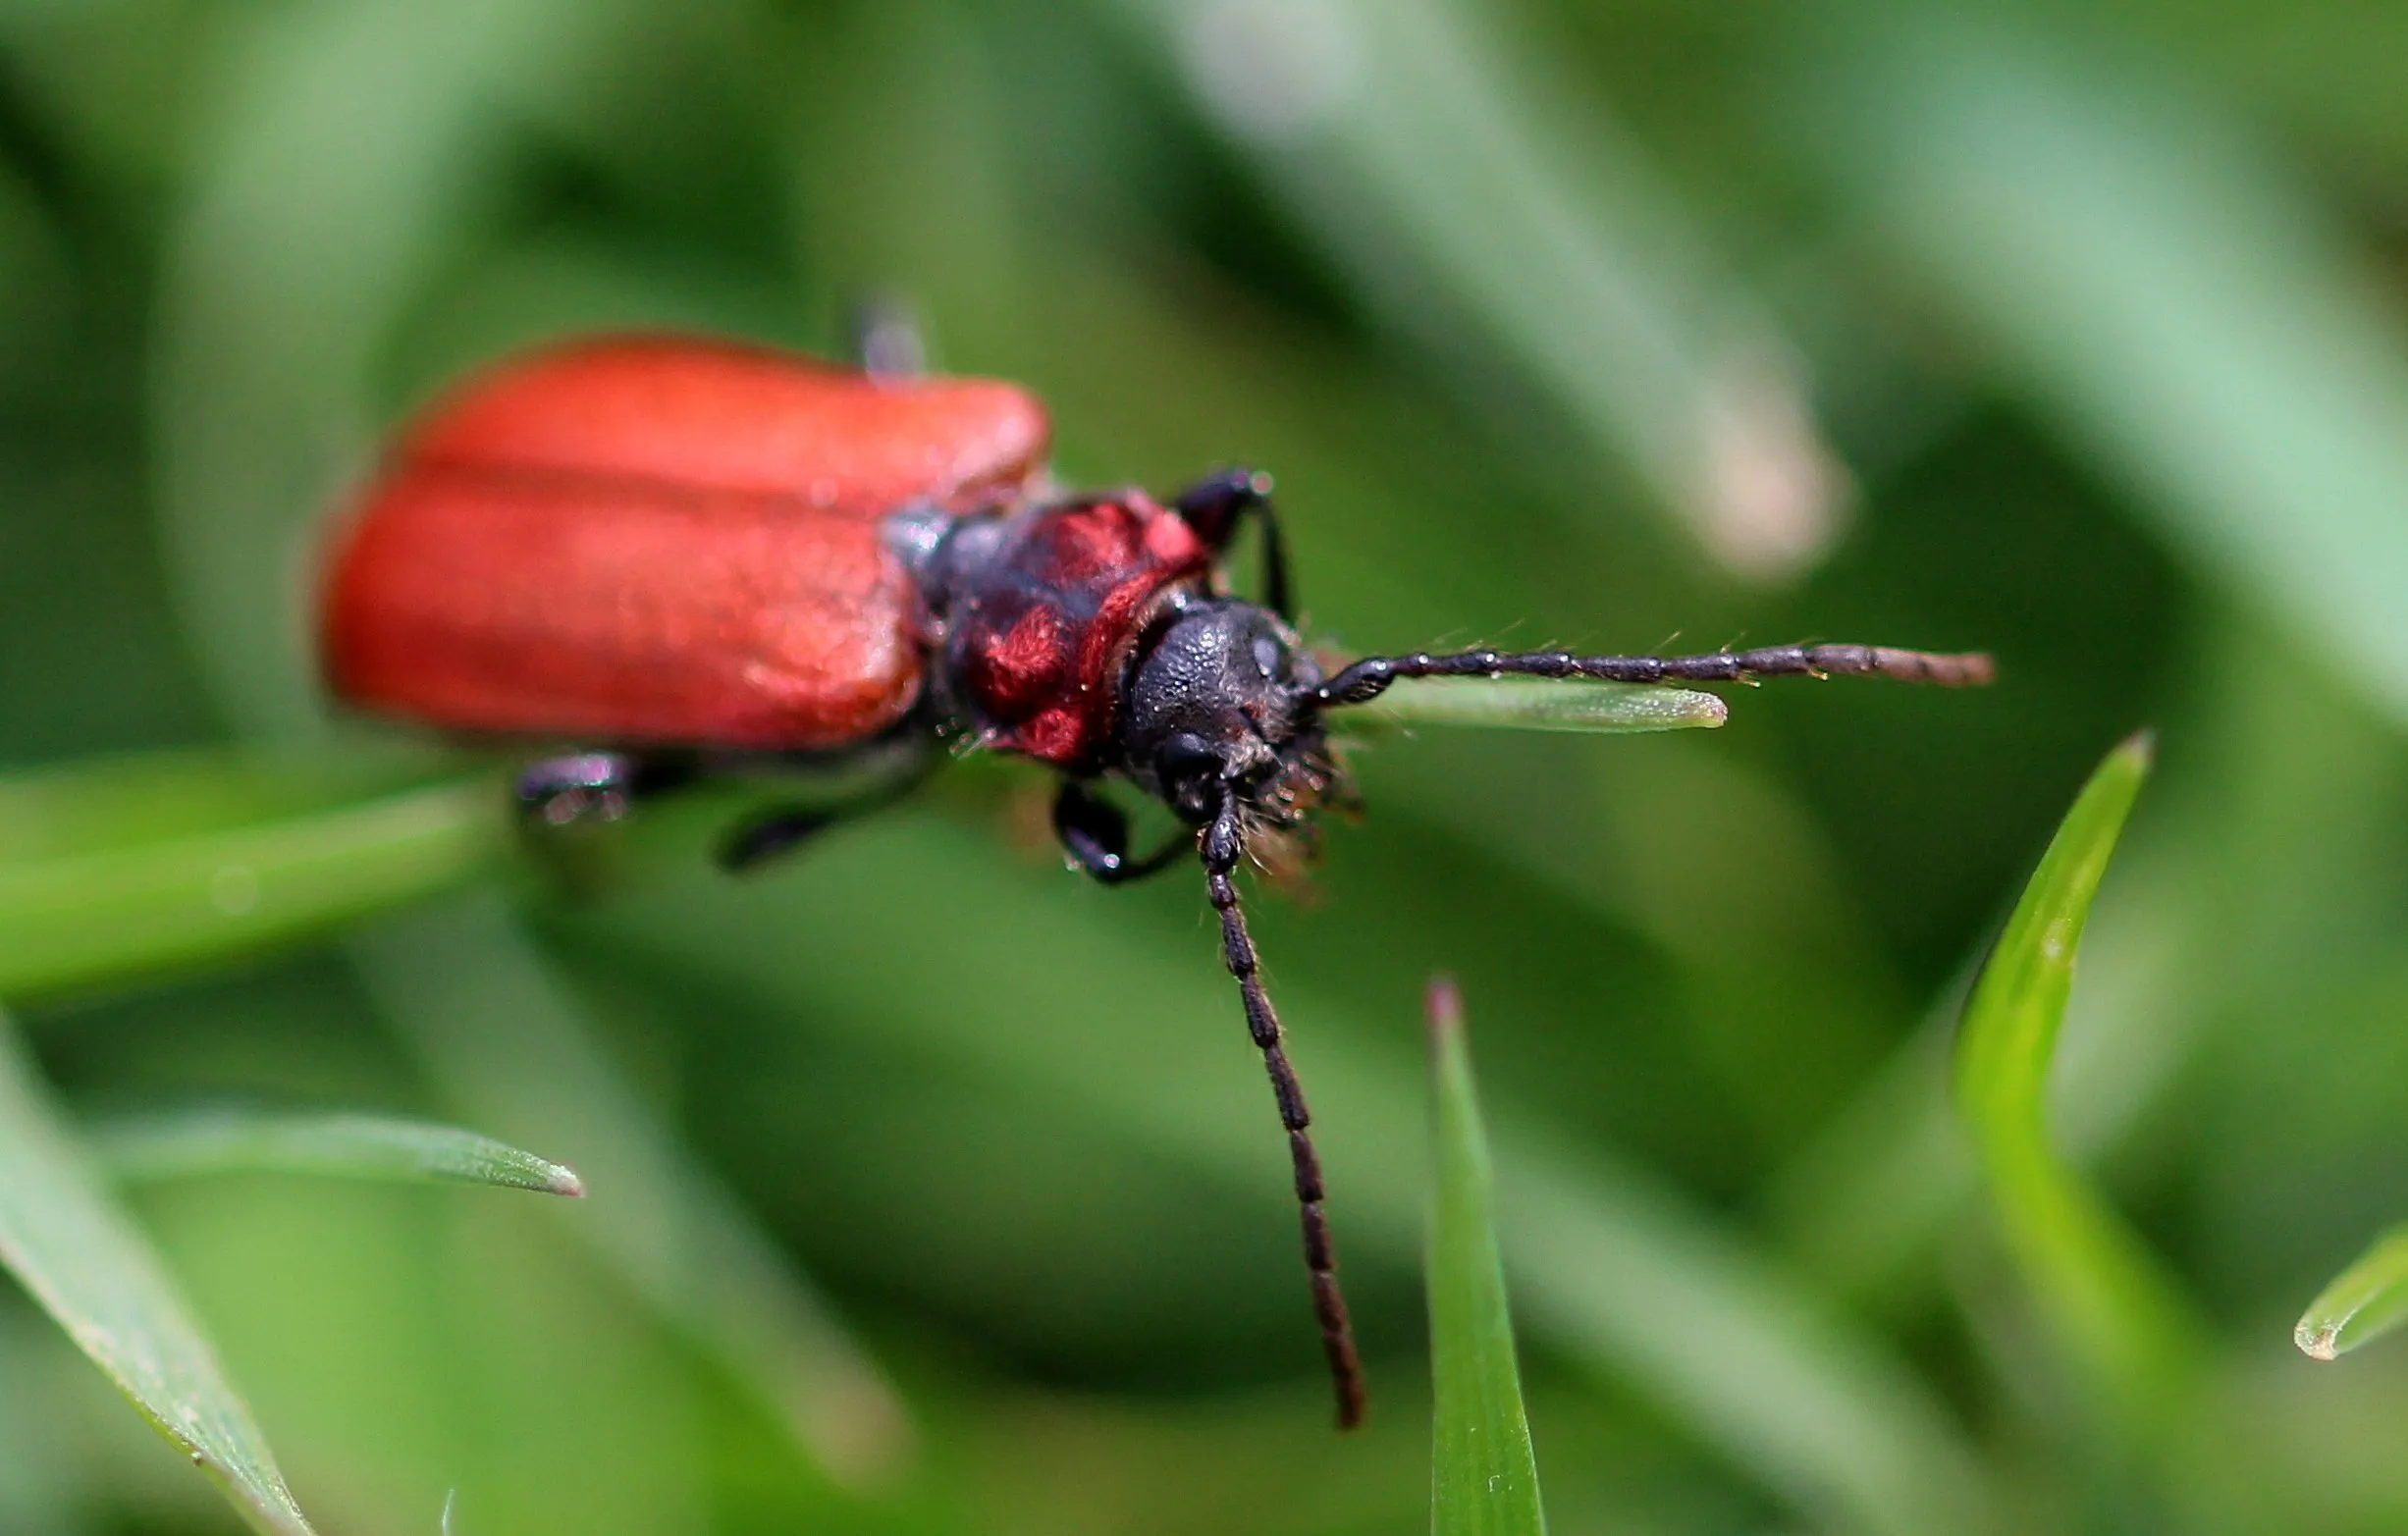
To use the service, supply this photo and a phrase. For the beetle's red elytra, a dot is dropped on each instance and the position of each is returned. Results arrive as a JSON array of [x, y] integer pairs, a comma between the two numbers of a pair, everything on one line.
[[679, 556]]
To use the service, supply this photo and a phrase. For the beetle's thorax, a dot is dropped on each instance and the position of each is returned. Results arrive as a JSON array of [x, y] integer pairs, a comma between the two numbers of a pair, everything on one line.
[[1088, 634], [1034, 616]]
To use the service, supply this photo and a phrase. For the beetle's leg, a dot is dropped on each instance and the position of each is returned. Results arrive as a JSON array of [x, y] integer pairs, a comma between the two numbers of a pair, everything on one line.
[[895, 767], [756, 842], [594, 787], [1214, 505], [1095, 835], [887, 340]]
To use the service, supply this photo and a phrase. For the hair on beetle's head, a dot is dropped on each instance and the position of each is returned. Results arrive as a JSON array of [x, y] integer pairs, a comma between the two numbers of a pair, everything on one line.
[[1220, 713]]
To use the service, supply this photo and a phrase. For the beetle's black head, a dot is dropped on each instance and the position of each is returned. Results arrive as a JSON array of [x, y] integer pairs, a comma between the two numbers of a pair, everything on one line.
[[1217, 710]]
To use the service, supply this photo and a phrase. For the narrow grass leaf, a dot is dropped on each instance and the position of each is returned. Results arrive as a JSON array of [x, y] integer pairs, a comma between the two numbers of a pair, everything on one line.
[[66, 1239], [347, 1145], [2117, 1315], [1603, 708], [2365, 1302], [92, 804], [514, 1048], [1483, 1475], [116, 913]]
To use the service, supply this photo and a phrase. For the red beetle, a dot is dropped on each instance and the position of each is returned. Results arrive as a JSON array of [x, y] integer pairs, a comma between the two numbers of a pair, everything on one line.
[[687, 556]]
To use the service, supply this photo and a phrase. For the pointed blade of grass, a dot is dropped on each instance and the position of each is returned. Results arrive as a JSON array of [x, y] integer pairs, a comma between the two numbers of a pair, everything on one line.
[[1483, 1475], [2365, 1302], [1605, 707], [68, 1242], [2115, 1314], [512, 1047], [79, 919], [346, 1146]]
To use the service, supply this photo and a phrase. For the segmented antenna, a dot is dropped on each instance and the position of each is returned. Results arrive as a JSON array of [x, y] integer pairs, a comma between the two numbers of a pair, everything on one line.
[[1221, 845], [1368, 678]]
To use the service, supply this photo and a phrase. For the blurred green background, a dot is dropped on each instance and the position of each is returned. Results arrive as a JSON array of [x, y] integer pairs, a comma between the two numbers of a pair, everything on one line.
[[935, 1190]]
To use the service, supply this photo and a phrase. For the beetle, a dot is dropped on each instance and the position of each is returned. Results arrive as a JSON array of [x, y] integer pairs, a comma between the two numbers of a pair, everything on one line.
[[687, 556]]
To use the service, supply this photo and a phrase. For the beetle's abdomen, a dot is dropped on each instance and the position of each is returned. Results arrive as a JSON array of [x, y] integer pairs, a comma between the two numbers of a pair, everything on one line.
[[660, 542], [544, 606]]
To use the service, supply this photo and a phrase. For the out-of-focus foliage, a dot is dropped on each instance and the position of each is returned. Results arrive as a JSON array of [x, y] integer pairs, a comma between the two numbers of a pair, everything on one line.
[[933, 1190]]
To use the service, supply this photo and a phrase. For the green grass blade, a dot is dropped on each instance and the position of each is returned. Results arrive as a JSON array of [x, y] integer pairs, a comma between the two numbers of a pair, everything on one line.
[[1606, 708], [1484, 1475], [77, 919], [66, 1239], [92, 805], [347, 1145], [2115, 1314], [512, 1048], [2365, 1302]]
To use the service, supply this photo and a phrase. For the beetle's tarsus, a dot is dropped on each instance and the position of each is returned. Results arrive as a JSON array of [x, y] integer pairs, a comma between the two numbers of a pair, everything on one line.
[[1095, 836], [1214, 507]]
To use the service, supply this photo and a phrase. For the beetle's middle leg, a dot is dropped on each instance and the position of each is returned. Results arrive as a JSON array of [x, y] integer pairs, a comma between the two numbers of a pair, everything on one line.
[[855, 783], [597, 786]]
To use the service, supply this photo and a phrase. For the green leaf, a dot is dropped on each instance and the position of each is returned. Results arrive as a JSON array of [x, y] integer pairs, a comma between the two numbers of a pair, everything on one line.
[[1484, 1475], [2364, 1301], [2113, 1312], [503, 1038], [349, 1145], [80, 918], [66, 1239], [1543, 705], [90, 805]]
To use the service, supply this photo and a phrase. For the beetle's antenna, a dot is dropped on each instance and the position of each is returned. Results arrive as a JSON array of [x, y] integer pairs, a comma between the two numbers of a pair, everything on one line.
[[1221, 843], [1368, 678]]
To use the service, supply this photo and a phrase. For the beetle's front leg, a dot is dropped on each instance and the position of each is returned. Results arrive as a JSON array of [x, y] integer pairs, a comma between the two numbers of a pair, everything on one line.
[[1214, 507], [1095, 836], [594, 787]]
